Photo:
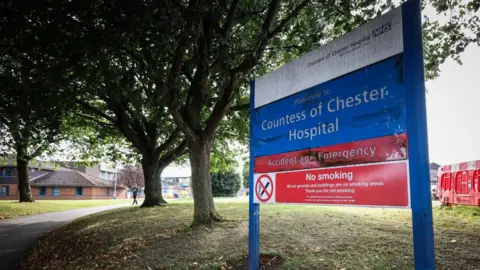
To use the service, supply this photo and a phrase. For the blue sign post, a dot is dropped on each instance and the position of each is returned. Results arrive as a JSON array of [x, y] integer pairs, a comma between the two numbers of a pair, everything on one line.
[[254, 208], [344, 117], [414, 78]]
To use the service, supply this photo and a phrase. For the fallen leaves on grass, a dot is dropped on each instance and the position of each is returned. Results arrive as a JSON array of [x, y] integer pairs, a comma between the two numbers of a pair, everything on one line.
[[95, 247], [161, 238], [267, 262]]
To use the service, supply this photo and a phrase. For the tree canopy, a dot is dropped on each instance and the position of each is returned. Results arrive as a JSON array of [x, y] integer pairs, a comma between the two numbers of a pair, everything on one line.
[[172, 76], [34, 93]]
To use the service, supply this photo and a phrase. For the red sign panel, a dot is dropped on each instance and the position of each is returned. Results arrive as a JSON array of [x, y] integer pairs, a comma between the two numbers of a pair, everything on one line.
[[388, 148], [373, 185]]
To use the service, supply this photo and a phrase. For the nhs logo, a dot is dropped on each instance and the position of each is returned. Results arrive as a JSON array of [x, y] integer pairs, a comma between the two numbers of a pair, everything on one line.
[[382, 29]]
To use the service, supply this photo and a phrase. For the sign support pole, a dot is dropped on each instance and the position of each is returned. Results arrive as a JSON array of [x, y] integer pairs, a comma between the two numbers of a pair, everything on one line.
[[254, 208], [414, 80]]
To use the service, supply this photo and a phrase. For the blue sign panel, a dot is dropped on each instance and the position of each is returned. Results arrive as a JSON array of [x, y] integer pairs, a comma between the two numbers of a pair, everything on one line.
[[364, 104], [361, 91]]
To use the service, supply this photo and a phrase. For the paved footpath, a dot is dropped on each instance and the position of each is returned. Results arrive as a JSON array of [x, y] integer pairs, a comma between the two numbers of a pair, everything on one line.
[[17, 234]]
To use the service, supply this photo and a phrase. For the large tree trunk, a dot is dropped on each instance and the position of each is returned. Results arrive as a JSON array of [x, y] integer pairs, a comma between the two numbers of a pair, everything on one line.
[[204, 207], [23, 181], [153, 185]]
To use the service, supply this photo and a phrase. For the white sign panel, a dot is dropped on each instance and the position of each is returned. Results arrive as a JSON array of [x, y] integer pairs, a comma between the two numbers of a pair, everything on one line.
[[368, 44]]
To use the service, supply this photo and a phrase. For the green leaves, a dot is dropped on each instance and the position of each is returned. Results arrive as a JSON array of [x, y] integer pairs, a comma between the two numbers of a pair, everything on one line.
[[118, 59], [225, 184], [34, 92], [224, 157], [448, 38]]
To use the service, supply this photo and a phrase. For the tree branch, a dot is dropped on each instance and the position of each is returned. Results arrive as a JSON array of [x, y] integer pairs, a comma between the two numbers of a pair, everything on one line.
[[4, 120], [88, 117], [123, 123], [168, 143], [251, 60], [243, 15], [220, 108], [176, 68], [170, 95], [151, 63], [230, 17], [269, 49], [38, 151], [290, 16], [179, 121], [240, 107], [94, 110], [179, 151], [187, 74], [266, 34], [138, 119]]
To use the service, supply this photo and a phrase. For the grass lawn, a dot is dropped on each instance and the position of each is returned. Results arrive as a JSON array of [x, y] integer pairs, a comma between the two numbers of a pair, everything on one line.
[[13, 209], [302, 237]]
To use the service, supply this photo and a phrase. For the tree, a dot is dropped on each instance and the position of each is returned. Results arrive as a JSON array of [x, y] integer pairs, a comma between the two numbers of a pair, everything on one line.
[[246, 174], [122, 78], [131, 176], [449, 39], [217, 48], [31, 112], [221, 45], [33, 93], [125, 103], [195, 58], [113, 82], [225, 184]]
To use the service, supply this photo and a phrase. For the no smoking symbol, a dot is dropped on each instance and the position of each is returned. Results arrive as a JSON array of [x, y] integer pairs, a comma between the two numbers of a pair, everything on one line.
[[264, 188]]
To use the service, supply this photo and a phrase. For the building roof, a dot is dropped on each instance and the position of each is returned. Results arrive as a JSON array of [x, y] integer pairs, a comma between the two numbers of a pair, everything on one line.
[[67, 177], [434, 166], [73, 165]]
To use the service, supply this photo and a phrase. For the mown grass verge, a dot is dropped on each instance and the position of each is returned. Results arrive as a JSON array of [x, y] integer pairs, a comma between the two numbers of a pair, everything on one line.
[[305, 237], [13, 209]]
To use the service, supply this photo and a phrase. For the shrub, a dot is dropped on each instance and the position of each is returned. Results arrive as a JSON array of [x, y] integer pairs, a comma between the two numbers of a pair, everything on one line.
[[225, 184]]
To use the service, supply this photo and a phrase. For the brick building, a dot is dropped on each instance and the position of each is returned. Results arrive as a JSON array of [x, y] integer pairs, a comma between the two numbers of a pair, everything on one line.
[[57, 183]]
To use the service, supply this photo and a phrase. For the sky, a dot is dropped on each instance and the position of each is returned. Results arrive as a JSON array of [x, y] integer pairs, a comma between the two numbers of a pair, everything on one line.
[[453, 110]]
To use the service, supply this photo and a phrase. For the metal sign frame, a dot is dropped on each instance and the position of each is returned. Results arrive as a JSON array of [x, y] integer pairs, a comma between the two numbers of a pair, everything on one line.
[[421, 205]]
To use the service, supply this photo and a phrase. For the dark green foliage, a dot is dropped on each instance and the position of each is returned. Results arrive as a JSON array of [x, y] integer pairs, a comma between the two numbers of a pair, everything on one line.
[[33, 85], [166, 74], [446, 40], [246, 174], [225, 184], [223, 156]]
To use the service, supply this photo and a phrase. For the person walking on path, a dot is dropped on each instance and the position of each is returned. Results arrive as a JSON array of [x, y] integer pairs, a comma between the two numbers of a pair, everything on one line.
[[135, 193]]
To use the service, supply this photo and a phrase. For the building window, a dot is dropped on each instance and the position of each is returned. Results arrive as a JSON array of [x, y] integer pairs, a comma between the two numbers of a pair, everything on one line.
[[43, 191], [7, 171], [56, 191], [79, 191], [4, 191]]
